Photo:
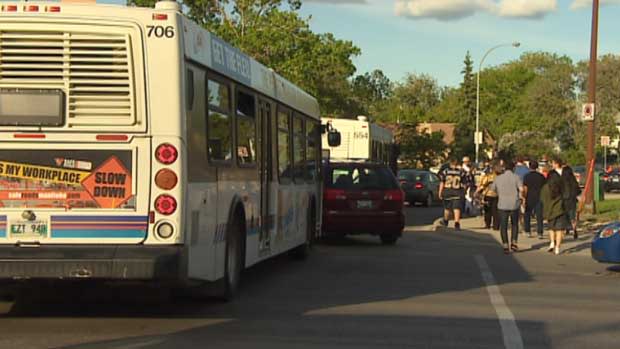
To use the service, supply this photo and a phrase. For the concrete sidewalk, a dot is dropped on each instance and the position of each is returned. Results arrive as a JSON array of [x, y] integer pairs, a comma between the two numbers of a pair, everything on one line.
[[581, 246]]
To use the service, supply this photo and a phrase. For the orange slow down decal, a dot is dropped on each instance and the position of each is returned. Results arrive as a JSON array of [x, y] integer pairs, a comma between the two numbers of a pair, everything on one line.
[[109, 184]]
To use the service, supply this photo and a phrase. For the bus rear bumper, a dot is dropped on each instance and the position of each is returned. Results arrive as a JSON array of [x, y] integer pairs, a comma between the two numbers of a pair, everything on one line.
[[104, 262]]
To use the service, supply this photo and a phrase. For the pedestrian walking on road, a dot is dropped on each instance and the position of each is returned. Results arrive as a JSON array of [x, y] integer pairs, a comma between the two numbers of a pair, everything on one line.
[[489, 197], [521, 169], [570, 196], [452, 192], [552, 195], [469, 185], [532, 185], [508, 188]]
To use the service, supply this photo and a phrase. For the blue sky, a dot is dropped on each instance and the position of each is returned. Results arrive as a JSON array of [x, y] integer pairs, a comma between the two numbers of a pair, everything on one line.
[[432, 36], [434, 42]]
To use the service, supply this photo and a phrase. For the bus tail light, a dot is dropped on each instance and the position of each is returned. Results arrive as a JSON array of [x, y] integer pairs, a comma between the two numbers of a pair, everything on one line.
[[165, 204], [160, 16], [166, 179], [165, 230], [166, 153]]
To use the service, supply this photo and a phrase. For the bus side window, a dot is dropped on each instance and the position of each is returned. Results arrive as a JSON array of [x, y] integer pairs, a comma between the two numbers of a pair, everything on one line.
[[312, 137], [299, 148], [196, 127], [219, 125], [190, 89], [284, 147], [246, 128]]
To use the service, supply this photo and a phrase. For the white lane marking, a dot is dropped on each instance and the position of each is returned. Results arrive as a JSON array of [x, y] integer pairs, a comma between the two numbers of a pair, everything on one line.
[[141, 344], [510, 331]]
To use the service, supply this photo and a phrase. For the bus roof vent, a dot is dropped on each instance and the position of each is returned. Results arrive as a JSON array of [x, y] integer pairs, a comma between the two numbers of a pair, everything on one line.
[[362, 118], [168, 5]]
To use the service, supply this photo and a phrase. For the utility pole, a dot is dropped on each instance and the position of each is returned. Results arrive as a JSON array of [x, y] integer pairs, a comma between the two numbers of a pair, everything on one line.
[[590, 156]]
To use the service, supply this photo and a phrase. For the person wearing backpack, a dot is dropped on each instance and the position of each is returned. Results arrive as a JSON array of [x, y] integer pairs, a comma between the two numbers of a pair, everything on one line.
[[489, 197]]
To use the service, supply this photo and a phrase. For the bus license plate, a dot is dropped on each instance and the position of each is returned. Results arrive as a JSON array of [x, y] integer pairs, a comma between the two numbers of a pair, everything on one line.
[[364, 204], [29, 229]]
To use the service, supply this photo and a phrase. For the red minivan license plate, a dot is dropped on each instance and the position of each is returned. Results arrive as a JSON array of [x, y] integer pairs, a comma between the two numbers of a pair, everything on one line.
[[364, 204]]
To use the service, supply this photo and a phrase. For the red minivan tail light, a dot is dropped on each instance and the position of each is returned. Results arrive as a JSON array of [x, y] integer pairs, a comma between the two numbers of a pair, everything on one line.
[[394, 195], [165, 204], [419, 185], [166, 153], [334, 194]]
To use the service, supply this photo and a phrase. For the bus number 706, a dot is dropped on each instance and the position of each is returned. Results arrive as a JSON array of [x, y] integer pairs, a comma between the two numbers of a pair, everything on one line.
[[160, 31]]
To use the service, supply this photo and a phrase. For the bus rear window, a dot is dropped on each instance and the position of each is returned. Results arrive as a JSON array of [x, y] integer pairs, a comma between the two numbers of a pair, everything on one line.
[[31, 107]]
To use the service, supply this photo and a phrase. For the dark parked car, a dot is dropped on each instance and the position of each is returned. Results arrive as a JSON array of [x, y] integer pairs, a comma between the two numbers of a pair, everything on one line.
[[608, 180], [362, 198], [419, 186], [612, 180]]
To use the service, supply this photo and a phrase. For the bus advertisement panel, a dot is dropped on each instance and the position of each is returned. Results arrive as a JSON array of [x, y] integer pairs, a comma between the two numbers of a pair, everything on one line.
[[66, 179]]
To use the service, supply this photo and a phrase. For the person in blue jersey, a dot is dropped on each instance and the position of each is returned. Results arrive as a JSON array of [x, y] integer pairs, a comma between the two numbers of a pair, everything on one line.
[[452, 192], [521, 169]]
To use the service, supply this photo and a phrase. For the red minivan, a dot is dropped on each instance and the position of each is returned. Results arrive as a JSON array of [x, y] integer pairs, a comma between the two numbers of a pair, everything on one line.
[[362, 198]]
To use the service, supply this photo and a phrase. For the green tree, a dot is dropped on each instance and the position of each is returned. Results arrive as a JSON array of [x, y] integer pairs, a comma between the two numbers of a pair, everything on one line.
[[371, 91], [468, 89], [278, 37], [607, 95], [420, 150], [464, 115], [412, 100]]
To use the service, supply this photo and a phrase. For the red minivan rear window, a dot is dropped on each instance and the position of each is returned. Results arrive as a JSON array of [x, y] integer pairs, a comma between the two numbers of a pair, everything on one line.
[[360, 177]]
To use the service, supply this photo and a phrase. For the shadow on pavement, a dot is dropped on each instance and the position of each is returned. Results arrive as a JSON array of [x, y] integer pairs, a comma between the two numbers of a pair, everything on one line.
[[340, 332], [280, 298]]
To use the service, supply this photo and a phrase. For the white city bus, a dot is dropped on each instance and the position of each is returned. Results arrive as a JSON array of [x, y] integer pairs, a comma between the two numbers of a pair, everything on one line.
[[360, 139], [136, 145]]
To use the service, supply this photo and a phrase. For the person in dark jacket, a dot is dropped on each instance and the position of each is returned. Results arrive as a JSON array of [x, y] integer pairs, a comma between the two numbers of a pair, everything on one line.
[[552, 196], [570, 197], [532, 185]]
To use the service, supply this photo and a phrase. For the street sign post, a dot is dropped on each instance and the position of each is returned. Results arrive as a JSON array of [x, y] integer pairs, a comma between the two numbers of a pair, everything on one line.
[[605, 142], [478, 138]]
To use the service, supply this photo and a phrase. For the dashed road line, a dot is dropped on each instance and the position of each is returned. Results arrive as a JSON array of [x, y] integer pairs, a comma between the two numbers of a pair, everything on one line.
[[510, 331]]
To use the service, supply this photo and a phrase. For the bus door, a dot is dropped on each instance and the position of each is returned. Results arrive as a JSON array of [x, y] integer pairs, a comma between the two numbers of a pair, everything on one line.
[[266, 176]]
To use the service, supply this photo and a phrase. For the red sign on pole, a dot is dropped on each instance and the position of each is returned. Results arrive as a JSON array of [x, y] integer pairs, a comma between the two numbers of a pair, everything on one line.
[[587, 112]]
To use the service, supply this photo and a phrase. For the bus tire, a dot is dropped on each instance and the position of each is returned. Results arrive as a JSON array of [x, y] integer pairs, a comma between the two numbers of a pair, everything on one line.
[[234, 261], [302, 252]]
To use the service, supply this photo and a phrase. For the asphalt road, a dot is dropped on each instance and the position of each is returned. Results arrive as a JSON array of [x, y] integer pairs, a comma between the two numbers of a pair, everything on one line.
[[432, 290]]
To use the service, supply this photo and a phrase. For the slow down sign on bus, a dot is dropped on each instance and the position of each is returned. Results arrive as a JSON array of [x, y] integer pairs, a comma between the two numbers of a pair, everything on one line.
[[109, 184]]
